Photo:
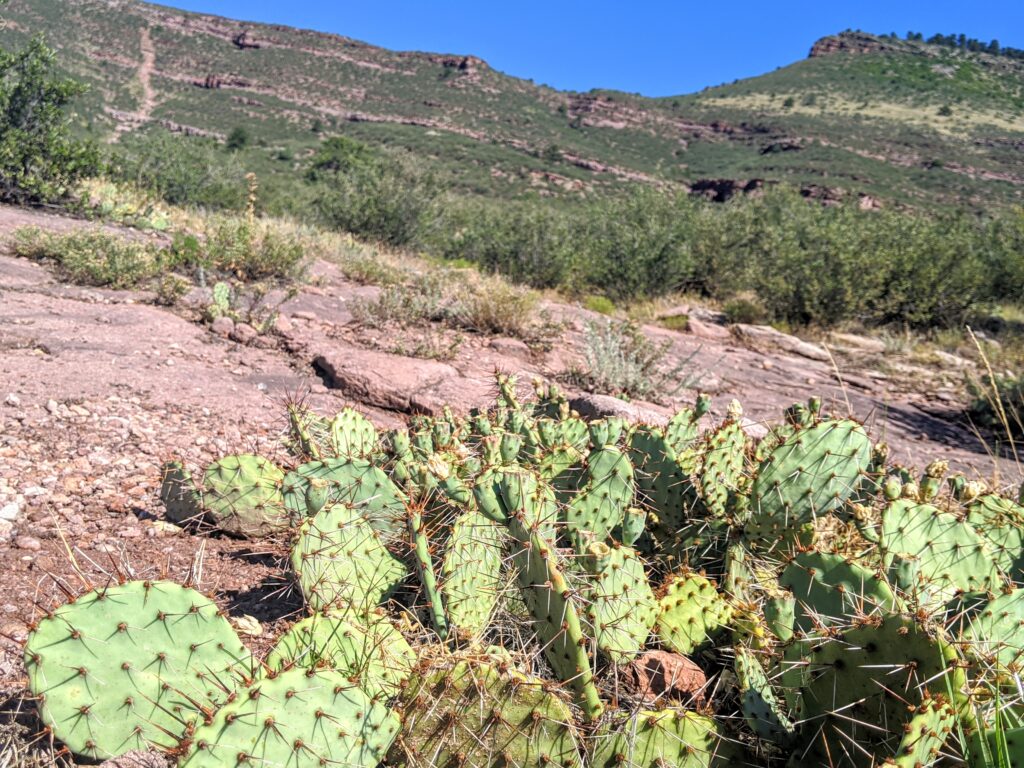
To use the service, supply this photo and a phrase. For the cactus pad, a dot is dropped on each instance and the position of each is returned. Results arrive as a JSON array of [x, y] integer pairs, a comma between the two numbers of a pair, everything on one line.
[[810, 474], [666, 738], [933, 553], [758, 702], [179, 494], [356, 482], [341, 562], [621, 606], [471, 580], [130, 665], [369, 652], [242, 495], [482, 713], [691, 611], [353, 436], [830, 590], [299, 718], [925, 735]]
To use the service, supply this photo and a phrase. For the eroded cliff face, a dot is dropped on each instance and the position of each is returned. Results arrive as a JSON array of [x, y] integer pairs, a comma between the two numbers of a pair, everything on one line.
[[851, 42]]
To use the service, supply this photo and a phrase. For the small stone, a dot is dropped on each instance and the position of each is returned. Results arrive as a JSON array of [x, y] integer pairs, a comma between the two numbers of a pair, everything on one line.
[[247, 625], [303, 315], [283, 325], [222, 326], [10, 511], [78, 410], [28, 542], [243, 333], [130, 533], [12, 400], [51, 406]]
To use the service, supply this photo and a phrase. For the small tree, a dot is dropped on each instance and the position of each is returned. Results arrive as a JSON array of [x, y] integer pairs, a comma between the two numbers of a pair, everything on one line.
[[238, 139], [40, 161]]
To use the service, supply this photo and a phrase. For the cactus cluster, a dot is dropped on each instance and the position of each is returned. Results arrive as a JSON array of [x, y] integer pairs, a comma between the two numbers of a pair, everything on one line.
[[479, 590]]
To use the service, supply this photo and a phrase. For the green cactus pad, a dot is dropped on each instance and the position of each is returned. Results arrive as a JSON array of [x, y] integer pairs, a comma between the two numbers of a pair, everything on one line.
[[129, 666], [925, 735], [182, 500], [353, 436], [369, 652], [601, 504], [829, 590], [683, 429], [661, 739], [341, 562], [758, 702], [621, 606], [1001, 523], [541, 574], [874, 673], [299, 718], [661, 483], [691, 611], [481, 713], [242, 495], [933, 554], [356, 482], [995, 634], [471, 579], [810, 474], [722, 469]]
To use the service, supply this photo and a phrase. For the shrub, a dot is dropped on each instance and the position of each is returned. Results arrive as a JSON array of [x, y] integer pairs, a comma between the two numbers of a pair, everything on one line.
[[600, 304], [181, 170], [238, 139], [40, 161], [620, 360], [92, 256], [998, 404], [251, 250], [490, 304], [744, 308]]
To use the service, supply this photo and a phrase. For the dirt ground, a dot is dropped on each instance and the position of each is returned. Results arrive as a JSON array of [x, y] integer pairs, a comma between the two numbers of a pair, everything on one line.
[[99, 387]]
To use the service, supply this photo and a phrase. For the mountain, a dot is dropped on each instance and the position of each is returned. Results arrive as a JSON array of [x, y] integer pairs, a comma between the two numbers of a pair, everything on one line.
[[890, 121]]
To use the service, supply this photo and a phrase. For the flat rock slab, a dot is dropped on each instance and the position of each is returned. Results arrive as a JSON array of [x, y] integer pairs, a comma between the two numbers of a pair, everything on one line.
[[762, 336]]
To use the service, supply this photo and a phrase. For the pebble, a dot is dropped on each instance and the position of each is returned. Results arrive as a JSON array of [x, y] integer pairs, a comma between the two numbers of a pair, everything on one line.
[[30, 543], [222, 326], [244, 333], [12, 400], [10, 511]]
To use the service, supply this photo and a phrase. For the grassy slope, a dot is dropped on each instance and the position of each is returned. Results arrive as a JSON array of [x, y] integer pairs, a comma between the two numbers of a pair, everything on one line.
[[866, 123]]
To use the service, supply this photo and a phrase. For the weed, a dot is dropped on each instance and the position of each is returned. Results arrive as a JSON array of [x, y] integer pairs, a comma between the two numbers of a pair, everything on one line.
[[92, 256], [600, 304], [492, 305], [620, 360]]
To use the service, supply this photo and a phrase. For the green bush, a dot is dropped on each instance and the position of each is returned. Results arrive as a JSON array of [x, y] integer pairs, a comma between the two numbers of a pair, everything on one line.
[[249, 250], [92, 256], [40, 161], [186, 171]]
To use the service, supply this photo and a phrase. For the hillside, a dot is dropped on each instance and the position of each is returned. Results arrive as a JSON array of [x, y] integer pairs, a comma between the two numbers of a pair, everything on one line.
[[861, 116]]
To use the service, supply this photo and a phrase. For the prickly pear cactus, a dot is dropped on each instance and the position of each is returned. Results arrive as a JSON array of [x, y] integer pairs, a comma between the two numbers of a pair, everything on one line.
[[182, 500], [482, 712], [341, 562], [812, 473], [761, 708], [667, 738], [995, 633], [308, 434], [130, 665], [1000, 522], [691, 611], [925, 735], [352, 435], [600, 506], [300, 717], [724, 458], [546, 592], [356, 482], [661, 483], [874, 673], [471, 573], [829, 590], [367, 650], [242, 495], [933, 554], [621, 606]]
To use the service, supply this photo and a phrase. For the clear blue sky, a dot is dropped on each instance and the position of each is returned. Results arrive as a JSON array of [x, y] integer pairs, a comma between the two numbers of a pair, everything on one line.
[[655, 48]]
